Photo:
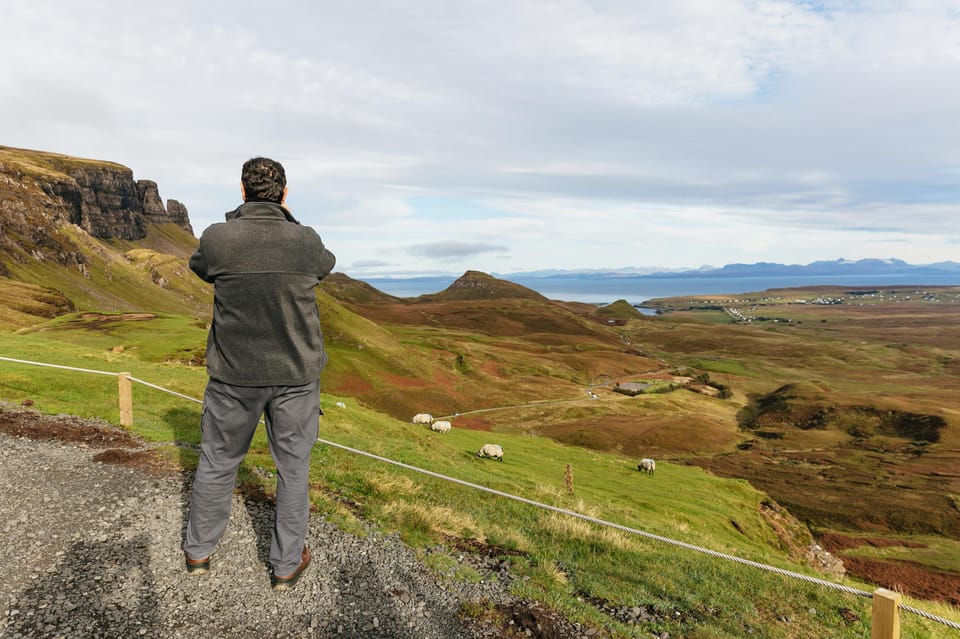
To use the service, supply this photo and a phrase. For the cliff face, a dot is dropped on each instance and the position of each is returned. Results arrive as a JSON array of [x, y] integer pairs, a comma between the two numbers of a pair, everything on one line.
[[154, 211], [86, 232], [102, 198], [177, 213]]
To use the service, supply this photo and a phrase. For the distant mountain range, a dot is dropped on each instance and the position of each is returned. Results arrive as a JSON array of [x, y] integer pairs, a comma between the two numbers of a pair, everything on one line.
[[839, 267]]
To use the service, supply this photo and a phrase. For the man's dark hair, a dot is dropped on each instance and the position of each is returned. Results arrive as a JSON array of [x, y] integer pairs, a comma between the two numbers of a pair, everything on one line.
[[263, 179]]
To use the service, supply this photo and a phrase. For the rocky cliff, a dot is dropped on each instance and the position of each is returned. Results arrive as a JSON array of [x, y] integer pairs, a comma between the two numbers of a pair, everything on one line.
[[88, 232], [102, 198]]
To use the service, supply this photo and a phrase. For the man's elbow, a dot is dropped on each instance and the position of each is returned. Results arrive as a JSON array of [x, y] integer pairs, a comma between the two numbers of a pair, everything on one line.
[[327, 262]]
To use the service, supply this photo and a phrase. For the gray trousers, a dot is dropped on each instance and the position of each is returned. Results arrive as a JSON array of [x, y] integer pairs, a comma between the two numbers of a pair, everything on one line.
[[230, 417]]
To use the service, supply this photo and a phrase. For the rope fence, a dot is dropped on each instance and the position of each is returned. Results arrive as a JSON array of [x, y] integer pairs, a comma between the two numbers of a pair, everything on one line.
[[886, 604]]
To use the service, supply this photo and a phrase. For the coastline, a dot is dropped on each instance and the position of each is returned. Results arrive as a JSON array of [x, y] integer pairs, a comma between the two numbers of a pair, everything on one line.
[[638, 289]]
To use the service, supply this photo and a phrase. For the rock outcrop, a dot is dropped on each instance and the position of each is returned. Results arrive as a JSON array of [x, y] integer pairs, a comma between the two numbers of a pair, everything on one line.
[[155, 213], [177, 213], [109, 203], [102, 198], [150, 202]]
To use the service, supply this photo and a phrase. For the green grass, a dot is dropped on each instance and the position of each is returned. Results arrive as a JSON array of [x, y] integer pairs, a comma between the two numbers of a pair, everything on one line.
[[155, 338], [561, 557]]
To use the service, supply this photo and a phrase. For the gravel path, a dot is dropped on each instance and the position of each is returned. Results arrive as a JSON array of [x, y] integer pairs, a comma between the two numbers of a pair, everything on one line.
[[93, 550]]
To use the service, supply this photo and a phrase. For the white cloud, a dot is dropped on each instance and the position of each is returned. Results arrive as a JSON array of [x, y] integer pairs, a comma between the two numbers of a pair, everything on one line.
[[454, 249], [695, 131]]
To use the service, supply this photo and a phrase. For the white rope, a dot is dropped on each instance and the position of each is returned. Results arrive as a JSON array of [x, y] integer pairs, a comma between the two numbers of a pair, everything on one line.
[[166, 390], [603, 522], [931, 617], [69, 368], [564, 511], [642, 533]]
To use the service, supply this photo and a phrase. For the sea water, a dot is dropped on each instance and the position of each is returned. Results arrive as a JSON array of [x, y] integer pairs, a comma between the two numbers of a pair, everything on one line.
[[638, 289]]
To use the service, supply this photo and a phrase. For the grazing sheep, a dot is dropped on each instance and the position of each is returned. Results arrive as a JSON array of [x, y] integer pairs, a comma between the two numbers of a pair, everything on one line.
[[647, 466], [493, 451], [340, 405], [422, 418], [441, 426]]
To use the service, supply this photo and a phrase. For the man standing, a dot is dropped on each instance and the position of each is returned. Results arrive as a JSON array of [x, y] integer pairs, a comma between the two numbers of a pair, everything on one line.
[[264, 356]]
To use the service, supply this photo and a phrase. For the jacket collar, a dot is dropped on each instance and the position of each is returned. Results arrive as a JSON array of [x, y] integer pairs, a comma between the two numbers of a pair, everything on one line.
[[261, 210]]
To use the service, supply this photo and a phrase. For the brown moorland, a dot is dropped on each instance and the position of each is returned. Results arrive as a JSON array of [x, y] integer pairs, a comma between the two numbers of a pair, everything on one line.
[[863, 437]]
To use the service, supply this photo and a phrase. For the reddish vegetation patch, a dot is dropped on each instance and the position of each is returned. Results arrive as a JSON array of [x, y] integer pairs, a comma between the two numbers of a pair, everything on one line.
[[907, 577], [490, 368], [473, 423], [626, 434], [398, 382], [443, 378], [353, 385], [65, 428], [911, 578]]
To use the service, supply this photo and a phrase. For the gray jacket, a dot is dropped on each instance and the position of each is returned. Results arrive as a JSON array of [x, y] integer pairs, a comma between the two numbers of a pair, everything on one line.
[[264, 267]]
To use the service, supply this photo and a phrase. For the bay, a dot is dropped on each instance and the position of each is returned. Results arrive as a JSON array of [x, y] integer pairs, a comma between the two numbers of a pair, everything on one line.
[[640, 288]]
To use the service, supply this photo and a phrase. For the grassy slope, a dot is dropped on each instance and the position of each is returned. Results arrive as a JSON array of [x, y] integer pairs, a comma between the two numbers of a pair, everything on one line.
[[510, 364], [23, 304], [460, 356], [560, 556], [168, 239], [117, 281], [44, 163]]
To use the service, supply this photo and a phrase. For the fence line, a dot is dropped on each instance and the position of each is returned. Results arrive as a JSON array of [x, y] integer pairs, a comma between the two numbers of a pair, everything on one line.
[[886, 603], [166, 390], [69, 368]]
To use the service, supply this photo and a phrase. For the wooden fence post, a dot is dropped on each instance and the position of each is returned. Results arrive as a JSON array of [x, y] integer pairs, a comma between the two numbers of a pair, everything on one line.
[[886, 614], [568, 478], [126, 399]]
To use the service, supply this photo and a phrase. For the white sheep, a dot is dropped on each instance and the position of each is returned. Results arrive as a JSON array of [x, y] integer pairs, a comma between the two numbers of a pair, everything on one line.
[[340, 405], [493, 451], [441, 426], [647, 465], [422, 418]]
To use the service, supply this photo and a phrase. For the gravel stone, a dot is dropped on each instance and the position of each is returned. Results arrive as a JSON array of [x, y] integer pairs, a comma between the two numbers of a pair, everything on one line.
[[93, 550], [92, 528]]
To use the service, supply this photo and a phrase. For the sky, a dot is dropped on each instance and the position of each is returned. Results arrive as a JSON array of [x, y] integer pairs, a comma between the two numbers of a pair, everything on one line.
[[424, 138]]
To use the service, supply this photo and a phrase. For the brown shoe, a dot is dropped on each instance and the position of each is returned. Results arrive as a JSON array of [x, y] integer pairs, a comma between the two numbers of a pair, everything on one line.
[[287, 583], [197, 566]]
